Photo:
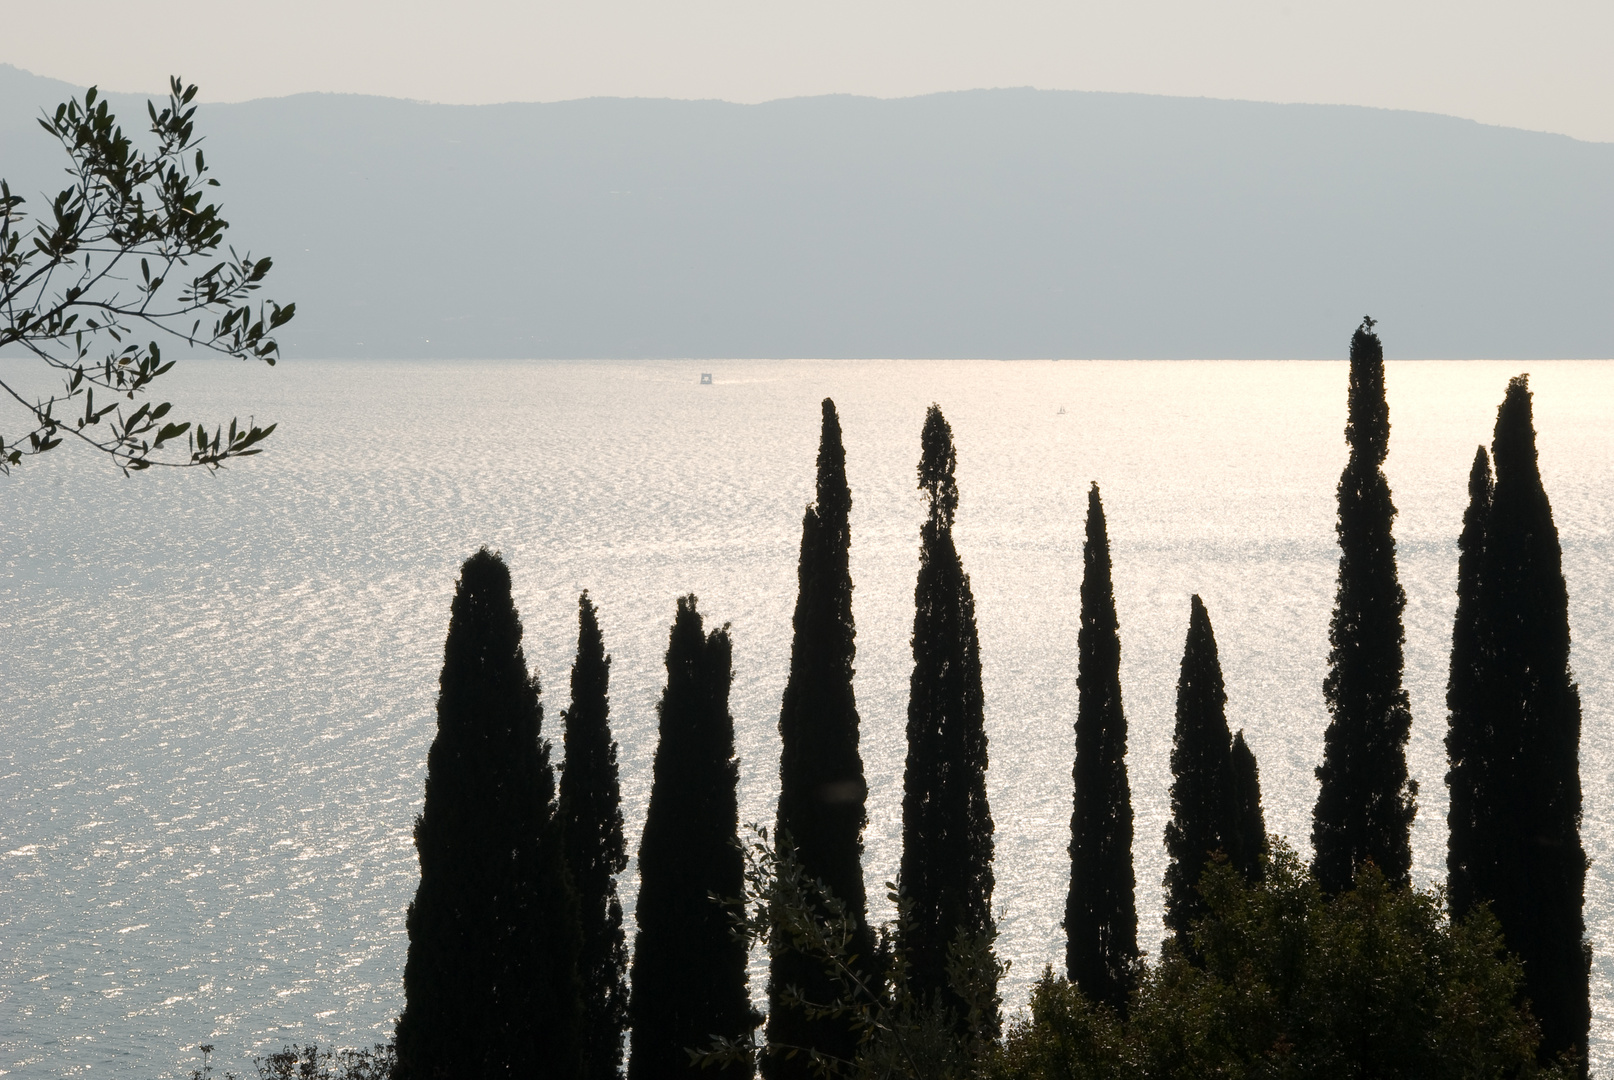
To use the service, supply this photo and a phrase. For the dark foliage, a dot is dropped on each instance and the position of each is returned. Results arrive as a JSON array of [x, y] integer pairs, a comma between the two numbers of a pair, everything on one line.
[[1469, 864], [1201, 822], [1365, 802], [591, 810], [1248, 845], [1519, 768], [688, 974], [90, 274], [946, 823], [821, 786], [1101, 915], [311, 1063], [490, 984], [1298, 983], [901, 1034]]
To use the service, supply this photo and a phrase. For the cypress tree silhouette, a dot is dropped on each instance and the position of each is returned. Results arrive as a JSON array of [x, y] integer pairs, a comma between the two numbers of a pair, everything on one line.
[[1529, 794], [946, 823], [591, 810], [1365, 803], [1470, 864], [821, 786], [1202, 778], [1248, 845], [1101, 915], [688, 974], [490, 984]]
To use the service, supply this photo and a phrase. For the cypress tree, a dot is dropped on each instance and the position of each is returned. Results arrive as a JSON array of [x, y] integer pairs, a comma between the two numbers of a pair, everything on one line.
[[591, 809], [1202, 775], [1101, 915], [821, 786], [490, 983], [688, 974], [1248, 845], [1365, 802], [946, 823], [1529, 748], [1470, 865]]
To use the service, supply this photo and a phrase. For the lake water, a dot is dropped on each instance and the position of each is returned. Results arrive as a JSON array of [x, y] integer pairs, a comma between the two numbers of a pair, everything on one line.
[[216, 693]]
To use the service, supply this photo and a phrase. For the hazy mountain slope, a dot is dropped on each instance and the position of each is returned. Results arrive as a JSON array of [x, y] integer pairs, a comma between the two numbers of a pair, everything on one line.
[[986, 223]]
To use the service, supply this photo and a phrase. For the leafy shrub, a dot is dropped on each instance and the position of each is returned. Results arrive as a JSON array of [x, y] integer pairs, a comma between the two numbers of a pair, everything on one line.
[[311, 1063], [902, 1032], [1374, 982]]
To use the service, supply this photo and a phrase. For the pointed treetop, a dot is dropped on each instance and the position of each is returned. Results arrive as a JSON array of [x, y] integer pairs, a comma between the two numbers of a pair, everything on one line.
[[591, 670], [591, 674], [833, 493], [1479, 477], [1249, 841], [1514, 444], [684, 642], [588, 622], [1201, 787], [1200, 661], [1199, 625], [1367, 430], [936, 464], [482, 610], [1098, 540]]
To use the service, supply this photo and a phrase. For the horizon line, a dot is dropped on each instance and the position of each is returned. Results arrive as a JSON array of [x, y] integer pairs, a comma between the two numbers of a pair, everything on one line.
[[819, 96]]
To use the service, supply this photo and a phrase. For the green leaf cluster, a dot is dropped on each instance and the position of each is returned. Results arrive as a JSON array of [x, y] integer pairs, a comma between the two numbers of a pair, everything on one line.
[[902, 1031], [69, 282], [311, 1063], [1375, 981]]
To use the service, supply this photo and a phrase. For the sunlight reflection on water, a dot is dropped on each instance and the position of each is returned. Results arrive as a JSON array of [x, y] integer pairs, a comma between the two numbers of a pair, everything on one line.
[[217, 692]]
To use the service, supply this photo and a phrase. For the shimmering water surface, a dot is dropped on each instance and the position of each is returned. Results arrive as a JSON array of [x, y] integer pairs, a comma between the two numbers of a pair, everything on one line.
[[216, 693]]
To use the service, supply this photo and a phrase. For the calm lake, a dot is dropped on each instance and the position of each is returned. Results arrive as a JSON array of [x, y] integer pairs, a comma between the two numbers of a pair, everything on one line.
[[216, 693]]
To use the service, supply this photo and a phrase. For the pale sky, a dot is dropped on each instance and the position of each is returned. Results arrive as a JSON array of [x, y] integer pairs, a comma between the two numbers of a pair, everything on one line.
[[1546, 65]]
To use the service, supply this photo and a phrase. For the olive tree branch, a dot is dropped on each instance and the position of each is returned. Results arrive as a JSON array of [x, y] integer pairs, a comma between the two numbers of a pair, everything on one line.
[[126, 205]]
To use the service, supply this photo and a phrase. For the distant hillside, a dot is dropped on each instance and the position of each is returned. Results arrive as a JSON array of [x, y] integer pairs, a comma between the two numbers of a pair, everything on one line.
[[1008, 223]]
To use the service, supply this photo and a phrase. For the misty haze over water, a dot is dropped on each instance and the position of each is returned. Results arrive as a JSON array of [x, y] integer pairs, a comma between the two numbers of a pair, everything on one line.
[[1004, 223], [218, 692]]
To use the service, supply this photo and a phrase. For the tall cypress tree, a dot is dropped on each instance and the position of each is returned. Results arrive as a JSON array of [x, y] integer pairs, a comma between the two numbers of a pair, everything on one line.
[[1470, 864], [1366, 802], [1529, 742], [946, 823], [688, 974], [591, 810], [1202, 775], [1248, 845], [490, 984], [821, 786], [1101, 914]]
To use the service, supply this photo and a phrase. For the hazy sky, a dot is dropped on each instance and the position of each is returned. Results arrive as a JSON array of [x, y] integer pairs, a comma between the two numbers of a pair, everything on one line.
[[1542, 64]]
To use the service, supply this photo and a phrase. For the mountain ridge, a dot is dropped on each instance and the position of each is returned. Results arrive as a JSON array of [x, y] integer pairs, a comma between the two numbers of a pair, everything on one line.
[[317, 94], [1008, 222]]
